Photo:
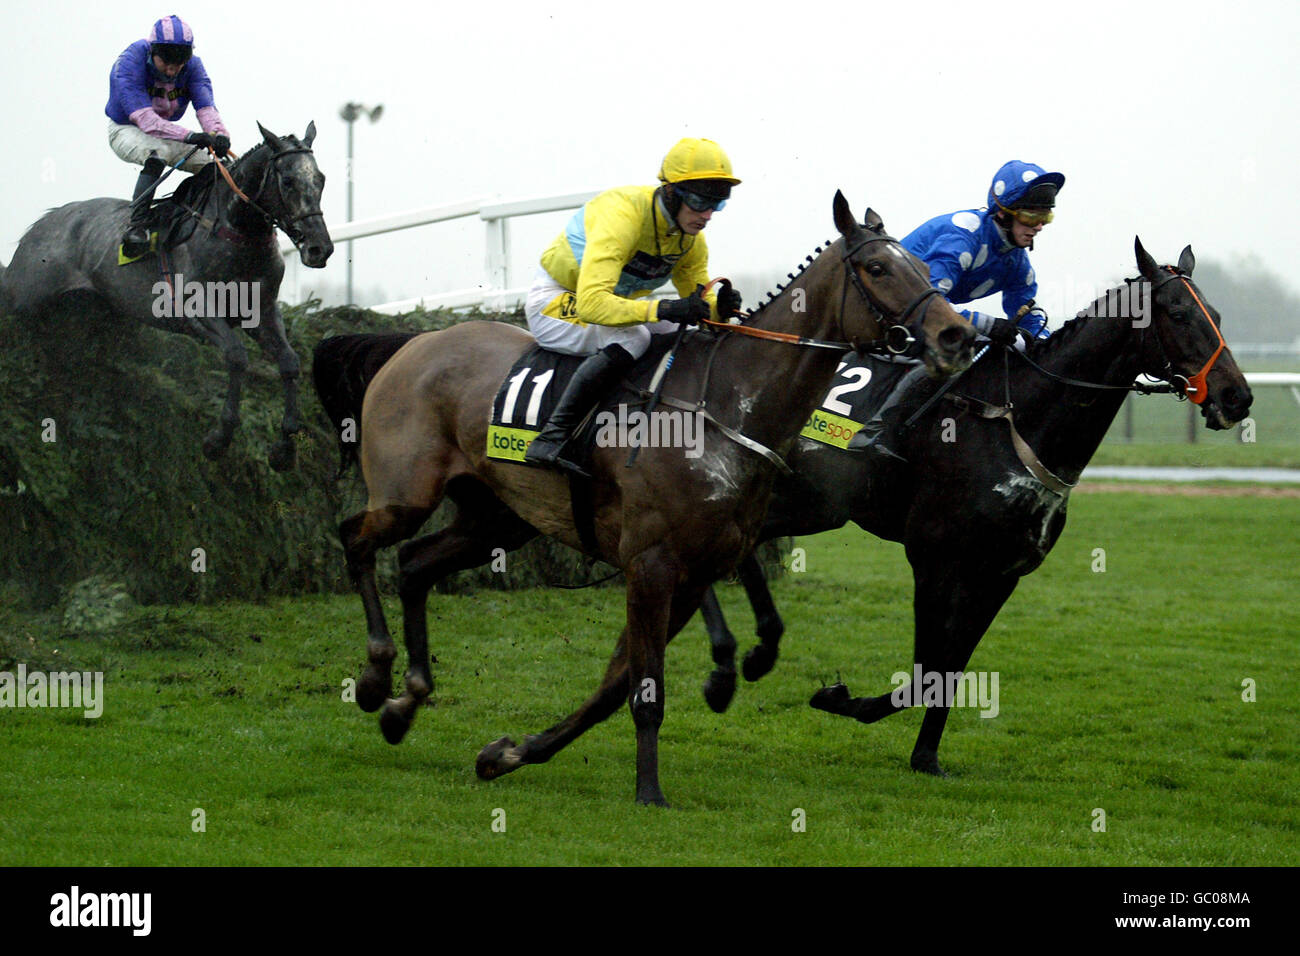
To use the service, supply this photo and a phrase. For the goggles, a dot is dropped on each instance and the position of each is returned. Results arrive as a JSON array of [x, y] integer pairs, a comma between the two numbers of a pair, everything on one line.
[[1029, 217], [697, 202]]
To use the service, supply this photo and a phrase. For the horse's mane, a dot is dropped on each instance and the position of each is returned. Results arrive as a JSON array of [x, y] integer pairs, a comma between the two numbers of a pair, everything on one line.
[[783, 289], [1067, 333], [251, 157]]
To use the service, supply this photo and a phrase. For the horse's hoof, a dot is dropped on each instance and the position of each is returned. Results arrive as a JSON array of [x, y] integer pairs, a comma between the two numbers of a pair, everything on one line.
[[831, 699], [719, 687], [758, 661], [491, 763], [395, 720], [283, 455], [215, 444], [927, 761], [373, 689], [652, 798]]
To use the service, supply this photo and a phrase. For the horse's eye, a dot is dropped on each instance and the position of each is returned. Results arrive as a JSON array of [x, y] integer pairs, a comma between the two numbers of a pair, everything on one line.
[[875, 270], [1178, 315]]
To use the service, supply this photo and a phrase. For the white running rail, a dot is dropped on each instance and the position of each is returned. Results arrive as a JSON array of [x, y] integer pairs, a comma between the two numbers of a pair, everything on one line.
[[495, 294]]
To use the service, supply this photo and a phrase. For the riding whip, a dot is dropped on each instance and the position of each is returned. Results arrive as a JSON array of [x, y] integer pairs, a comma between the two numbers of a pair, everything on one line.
[[148, 193]]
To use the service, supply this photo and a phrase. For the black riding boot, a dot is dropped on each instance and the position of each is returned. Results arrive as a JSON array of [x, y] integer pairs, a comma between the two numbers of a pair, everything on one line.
[[913, 385], [136, 241], [590, 381]]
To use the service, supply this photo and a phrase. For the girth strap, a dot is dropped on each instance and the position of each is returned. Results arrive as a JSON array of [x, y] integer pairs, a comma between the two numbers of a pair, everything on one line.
[[1026, 454], [727, 430]]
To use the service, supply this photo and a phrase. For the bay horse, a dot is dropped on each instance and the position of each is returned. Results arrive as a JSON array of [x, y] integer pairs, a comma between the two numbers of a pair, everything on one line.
[[974, 515], [672, 523], [232, 257]]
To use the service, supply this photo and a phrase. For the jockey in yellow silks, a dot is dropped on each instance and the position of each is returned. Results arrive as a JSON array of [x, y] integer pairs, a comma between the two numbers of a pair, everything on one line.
[[591, 292]]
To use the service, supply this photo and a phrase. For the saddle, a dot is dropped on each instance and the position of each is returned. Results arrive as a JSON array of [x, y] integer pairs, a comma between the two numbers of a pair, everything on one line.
[[176, 216]]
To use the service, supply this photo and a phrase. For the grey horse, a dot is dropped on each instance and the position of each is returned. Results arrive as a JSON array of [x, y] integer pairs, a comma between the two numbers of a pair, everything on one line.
[[224, 277]]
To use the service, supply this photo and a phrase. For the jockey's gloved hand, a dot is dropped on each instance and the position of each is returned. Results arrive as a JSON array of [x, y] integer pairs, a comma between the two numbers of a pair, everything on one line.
[[688, 311], [221, 145], [728, 300], [1003, 331], [1036, 326], [199, 139]]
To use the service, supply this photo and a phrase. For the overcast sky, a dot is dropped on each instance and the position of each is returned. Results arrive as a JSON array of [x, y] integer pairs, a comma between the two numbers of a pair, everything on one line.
[[1177, 121]]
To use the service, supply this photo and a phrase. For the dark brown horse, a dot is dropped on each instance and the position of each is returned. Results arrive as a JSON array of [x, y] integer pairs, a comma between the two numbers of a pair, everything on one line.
[[672, 523], [975, 514]]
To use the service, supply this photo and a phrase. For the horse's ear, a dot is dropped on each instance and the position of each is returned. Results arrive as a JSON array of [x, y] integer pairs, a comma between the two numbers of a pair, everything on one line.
[[310, 135], [844, 220], [1186, 262], [271, 139], [871, 219], [1146, 265]]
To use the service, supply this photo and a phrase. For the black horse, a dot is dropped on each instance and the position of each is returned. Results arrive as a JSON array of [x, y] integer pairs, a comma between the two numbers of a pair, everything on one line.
[[981, 498], [225, 276]]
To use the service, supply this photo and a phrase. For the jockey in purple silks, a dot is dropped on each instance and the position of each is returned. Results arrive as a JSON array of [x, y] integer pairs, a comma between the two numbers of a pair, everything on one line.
[[150, 86]]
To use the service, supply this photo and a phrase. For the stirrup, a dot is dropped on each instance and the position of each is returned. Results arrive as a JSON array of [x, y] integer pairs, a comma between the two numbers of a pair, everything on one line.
[[867, 444], [550, 454]]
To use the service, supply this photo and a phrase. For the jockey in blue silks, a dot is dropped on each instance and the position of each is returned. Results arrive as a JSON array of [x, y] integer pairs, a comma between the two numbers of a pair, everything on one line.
[[976, 253], [151, 85]]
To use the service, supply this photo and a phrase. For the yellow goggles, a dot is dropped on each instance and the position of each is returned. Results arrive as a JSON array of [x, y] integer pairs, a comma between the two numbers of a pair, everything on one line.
[[1029, 217]]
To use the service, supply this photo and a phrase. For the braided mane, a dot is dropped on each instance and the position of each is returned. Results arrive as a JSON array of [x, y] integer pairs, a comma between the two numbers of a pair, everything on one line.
[[781, 290]]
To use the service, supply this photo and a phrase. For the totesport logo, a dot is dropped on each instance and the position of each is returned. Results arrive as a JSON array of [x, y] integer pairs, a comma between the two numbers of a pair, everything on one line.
[[830, 429], [508, 444]]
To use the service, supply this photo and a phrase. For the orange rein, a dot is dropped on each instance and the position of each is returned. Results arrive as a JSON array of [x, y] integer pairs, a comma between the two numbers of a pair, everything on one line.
[[226, 174], [745, 329], [787, 337]]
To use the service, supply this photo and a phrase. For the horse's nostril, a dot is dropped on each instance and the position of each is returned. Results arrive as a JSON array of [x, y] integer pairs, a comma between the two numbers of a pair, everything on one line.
[[953, 338]]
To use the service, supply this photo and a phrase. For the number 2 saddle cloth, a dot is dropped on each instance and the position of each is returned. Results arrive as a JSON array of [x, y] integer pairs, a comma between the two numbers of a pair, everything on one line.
[[861, 385]]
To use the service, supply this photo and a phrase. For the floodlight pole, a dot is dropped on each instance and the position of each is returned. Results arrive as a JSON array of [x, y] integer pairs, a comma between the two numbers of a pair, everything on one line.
[[349, 113]]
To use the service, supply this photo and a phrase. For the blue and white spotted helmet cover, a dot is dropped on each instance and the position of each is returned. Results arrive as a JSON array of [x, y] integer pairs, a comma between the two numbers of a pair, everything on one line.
[[1013, 180]]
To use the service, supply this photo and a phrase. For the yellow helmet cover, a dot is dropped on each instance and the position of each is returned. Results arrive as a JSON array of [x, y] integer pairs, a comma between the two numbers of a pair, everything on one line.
[[695, 158]]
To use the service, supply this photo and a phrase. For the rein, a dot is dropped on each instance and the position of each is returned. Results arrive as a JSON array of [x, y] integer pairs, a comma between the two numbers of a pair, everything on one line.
[[1193, 388], [1139, 387], [1196, 385]]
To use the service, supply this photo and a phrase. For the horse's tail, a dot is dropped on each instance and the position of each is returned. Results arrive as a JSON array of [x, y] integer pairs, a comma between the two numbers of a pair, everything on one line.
[[342, 367], [4, 295]]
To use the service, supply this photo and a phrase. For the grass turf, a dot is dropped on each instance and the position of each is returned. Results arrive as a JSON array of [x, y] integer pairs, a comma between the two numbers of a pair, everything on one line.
[[1120, 691]]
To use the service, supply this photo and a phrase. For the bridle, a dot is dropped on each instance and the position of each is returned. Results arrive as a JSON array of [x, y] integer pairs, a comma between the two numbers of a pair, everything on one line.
[[897, 344], [290, 228], [1195, 388], [1185, 388]]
